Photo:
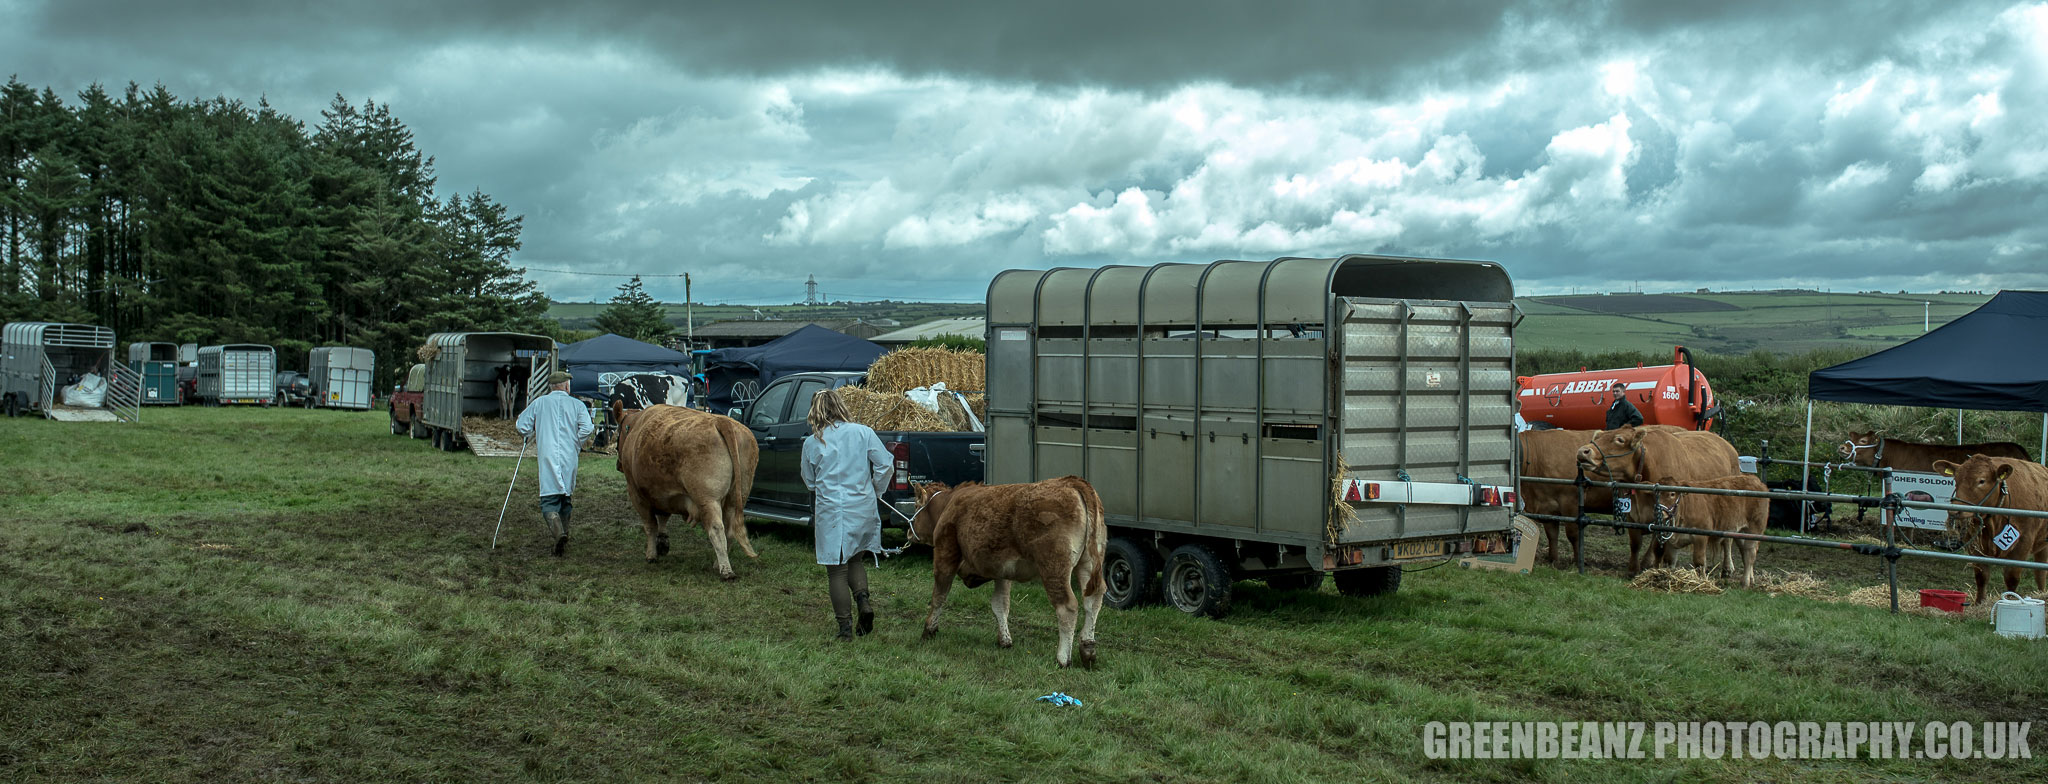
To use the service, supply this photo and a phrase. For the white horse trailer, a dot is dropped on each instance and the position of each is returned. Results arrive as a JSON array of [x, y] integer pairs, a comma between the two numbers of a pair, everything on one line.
[[38, 358], [342, 377], [463, 369], [238, 374]]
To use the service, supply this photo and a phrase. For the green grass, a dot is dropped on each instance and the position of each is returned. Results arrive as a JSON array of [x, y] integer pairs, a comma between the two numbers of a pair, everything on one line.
[[257, 595]]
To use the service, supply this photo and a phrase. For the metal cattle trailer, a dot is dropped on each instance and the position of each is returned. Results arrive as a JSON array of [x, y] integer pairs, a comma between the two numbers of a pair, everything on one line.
[[1271, 420], [342, 377], [38, 358], [462, 378], [158, 364], [238, 373]]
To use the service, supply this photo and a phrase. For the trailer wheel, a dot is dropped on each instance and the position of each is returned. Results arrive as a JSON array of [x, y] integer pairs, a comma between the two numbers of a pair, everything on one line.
[[1130, 571], [1307, 581], [1369, 582], [1197, 582], [13, 408]]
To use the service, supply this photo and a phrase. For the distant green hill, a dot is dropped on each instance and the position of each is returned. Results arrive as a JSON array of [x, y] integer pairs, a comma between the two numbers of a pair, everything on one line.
[[1721, 323]]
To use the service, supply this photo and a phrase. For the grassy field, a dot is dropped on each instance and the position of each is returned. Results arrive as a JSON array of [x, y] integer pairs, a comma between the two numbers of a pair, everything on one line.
[[284, 595]]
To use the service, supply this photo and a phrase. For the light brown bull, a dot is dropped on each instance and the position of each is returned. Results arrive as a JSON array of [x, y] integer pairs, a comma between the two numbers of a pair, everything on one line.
[[1867, 449], [2003, 482], [1554, 454], [1633, 454], [1052, 531], [680, 461]]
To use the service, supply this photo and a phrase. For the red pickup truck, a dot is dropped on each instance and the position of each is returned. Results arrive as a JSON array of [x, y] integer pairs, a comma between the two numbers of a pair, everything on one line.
[[406, 402]]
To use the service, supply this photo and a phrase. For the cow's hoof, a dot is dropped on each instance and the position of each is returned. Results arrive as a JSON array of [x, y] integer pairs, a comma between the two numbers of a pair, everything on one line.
[[1002, 643], [661, 548], [1088, 654], [729, 576], [929, 632], [1063, 665]]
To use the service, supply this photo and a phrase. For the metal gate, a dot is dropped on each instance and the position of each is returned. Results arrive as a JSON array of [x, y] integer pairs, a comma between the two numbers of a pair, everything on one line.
[[124, 390]]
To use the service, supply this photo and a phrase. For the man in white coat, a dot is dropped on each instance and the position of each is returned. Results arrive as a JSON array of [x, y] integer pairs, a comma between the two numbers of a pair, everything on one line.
[[558, 424], [847, 469]]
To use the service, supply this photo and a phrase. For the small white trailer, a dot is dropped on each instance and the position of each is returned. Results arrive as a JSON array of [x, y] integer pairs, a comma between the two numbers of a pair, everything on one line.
[[342, 377]]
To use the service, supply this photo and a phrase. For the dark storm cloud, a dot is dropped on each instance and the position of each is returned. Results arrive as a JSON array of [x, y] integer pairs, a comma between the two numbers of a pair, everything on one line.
[[918, 147]]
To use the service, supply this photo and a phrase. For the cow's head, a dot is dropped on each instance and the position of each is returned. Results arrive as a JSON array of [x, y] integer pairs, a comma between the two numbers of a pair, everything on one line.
[[1666, 501], [1980, 481], [1613, 455], [931, 504], [1860, 448]]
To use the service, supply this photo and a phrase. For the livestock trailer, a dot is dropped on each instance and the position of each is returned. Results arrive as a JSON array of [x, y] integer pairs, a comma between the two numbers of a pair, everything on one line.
[[38, 359], [1275, 420], [463, 370], [158, 364], [342, 377], [238, 374]]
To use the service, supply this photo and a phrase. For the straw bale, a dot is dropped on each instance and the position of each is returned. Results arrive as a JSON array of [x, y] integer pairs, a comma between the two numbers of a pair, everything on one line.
[[906, 369], [427, 353], [887, 411], [1674, 580], [503, 430], [1787, 583]]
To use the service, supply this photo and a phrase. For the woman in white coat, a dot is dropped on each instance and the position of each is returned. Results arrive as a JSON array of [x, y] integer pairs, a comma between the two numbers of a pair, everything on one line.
[[847, 469]]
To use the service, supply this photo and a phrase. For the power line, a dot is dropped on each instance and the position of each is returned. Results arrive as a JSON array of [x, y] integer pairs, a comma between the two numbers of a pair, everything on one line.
[[605, 274]]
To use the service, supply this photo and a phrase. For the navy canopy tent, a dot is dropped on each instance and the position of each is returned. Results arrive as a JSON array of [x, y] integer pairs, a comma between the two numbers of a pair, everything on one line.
[[1993, 359], [614, 354], [810, 349]]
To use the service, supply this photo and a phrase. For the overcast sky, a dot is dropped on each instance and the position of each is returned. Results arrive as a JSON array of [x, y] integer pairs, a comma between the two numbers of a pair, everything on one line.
[[912, 149]]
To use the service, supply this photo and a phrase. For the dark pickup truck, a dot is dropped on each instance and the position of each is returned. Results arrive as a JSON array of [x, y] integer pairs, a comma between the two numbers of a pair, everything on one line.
[[777, 419]]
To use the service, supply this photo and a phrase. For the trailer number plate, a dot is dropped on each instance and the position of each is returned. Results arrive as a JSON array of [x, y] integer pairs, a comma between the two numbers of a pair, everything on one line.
[[1418, 549]]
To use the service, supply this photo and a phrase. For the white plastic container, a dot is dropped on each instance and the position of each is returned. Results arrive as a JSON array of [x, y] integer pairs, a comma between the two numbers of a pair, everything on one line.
[[2017, 616]]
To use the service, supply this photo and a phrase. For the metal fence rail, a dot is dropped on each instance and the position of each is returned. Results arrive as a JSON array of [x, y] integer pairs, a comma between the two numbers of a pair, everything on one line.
[[1889, 550]]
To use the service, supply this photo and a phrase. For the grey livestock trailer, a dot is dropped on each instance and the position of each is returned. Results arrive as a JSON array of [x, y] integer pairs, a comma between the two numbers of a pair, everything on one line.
[[342, 377], [463, 372], [1276, 420], [158, 364], [37, 359], [238, 374]]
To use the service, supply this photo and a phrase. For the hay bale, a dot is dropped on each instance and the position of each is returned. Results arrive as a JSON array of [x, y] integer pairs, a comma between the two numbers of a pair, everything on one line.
[[1876, 596], [891, 411], [1800, 584], [427, 353], [906, 369], [955, 412], [1671, 580]]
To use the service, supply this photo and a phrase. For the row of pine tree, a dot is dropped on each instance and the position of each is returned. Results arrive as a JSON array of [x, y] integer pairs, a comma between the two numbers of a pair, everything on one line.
[[212, 221]]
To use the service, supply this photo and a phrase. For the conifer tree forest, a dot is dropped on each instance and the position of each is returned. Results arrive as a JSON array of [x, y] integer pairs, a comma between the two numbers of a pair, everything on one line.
[[213, 221]]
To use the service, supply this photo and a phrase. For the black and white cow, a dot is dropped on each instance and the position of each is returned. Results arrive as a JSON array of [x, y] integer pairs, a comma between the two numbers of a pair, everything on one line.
[[645, 390]]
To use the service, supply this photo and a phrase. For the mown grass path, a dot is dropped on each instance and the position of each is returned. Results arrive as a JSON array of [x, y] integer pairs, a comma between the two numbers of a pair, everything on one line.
[[281, 595]]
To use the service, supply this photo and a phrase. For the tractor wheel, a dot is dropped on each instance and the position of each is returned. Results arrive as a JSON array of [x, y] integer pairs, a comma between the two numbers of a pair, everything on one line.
[[1369, 582], [1197, 582], [1130, 571]]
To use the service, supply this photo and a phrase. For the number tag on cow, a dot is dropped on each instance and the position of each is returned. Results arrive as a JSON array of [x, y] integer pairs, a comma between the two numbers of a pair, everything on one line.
[[1624, 505], [2007, 538]]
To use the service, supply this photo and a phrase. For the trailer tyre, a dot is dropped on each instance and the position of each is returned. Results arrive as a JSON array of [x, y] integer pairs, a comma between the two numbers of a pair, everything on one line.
[[13, 408], [1309, 581], [1197, 582], [1369, 582], [1130, 571]]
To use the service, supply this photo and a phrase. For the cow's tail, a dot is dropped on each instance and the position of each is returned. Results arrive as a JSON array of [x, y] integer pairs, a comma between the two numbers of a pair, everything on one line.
[[1094, 536], [744, 456]]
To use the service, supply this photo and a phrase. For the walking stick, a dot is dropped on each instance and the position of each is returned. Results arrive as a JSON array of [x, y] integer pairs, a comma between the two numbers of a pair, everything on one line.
[[508, 492]]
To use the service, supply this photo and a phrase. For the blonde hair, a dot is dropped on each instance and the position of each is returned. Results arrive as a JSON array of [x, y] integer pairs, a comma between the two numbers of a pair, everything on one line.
[[826, 408]]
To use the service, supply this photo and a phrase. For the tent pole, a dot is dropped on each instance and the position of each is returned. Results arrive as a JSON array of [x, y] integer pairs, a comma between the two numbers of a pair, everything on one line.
[[2044, 440], [1959, 427], [1806, 465]]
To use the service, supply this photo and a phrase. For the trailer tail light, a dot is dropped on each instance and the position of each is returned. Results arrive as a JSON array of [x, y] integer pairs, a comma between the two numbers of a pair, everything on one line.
[[900, 451], [1356, 490]]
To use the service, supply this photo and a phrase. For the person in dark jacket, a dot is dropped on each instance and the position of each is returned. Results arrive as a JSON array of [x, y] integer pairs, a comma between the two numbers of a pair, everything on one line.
[[1622, 413]]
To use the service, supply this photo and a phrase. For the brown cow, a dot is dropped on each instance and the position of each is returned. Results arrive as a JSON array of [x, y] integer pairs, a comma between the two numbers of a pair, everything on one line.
[[1052, 531], [1554, 454], [2014, 484], [680, 461], [1866, 449], [1711, 513], [1634, 454]]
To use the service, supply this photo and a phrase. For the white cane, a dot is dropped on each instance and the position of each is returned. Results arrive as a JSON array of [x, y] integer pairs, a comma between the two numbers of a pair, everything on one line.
[[508, 492]]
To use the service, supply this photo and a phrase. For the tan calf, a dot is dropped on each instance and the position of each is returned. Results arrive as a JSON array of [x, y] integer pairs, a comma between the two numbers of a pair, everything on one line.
[[1710, 513], [1051, 531], [1633, 454]]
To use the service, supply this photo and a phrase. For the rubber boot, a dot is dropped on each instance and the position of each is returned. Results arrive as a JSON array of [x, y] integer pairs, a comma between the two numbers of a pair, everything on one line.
[[558, 527], [562, 544], [845, 629], [867, 615]]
